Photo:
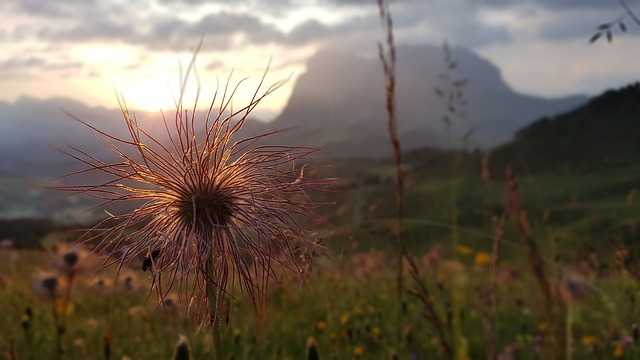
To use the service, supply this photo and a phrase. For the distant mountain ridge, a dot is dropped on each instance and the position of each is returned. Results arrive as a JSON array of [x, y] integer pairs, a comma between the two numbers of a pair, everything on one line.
[[339, 102], [345, 109], [603, 133]]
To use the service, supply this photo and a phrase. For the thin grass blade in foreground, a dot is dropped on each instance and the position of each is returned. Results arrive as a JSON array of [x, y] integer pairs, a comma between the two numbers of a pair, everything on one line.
[[388, 58], [422, 291], [552, 309], [215, 210], [490, 295]]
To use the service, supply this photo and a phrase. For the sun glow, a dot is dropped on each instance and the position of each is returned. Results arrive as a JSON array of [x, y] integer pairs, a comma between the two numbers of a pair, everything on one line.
[[149, 95], [151, 81]]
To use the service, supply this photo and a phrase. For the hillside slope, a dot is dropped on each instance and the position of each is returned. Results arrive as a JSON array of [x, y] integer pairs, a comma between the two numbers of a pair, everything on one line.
[[605, 132]]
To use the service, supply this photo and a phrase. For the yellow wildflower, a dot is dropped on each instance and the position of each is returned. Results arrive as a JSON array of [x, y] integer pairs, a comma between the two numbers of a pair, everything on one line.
[[543, 326], [358, 350], [321, 325], [344, 319], [589, 340], [376, 331], [464, 250], [618, 351], [64, 307], [482, 258], [79, 342]]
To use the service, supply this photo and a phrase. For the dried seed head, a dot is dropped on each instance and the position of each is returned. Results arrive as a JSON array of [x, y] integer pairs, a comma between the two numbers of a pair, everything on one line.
[[50, 284], [312, 349], [170, 304], [206, 207], [70, 258], [100, 282], [393, 355], [208, 196], [182, 351], [130, 282], [47, 284], [574, 287]]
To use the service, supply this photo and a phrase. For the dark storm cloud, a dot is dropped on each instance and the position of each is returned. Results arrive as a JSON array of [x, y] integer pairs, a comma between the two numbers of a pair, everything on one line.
[[581, 25], [308, 31], [168, 34], [172, 34], [227, 23], [218, 30], [556, 4], [96, 29], [254, 3], [138, 24], [273, 7], [15, 64], [58, 8], [552, 4], [366, 2], [23, 67]]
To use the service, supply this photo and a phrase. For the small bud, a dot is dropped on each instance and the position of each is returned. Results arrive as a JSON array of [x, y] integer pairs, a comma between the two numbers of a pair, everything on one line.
[[312, 349], [182, 351]]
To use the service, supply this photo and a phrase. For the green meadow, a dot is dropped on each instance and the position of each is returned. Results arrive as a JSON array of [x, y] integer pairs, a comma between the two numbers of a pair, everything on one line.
[[585, 225]]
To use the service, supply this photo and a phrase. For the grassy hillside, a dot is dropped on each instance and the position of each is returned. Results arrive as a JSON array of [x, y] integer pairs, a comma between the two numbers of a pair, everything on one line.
[[602, 134]]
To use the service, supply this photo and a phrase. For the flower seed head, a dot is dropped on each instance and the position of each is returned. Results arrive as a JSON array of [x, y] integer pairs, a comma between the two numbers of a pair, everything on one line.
[[208, 199], [47, 284]]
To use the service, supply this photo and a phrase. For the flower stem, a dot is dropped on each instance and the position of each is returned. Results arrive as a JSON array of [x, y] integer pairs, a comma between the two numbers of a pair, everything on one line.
[[569, 330], [212, 304], [59, 329]]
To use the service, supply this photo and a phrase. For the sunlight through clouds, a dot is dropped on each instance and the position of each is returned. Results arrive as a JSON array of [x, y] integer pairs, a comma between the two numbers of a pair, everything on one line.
[[558, 71], [116, 46]]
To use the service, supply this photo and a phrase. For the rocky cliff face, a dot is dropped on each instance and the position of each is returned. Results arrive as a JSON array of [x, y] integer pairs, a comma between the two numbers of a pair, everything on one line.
[[340, 102]]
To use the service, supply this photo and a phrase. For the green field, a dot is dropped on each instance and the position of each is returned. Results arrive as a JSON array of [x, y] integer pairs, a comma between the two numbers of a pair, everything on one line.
[[348, 300]]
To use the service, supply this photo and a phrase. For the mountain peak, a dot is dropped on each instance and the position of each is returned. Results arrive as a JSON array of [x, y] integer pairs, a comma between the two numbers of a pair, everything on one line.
[[340, 102]]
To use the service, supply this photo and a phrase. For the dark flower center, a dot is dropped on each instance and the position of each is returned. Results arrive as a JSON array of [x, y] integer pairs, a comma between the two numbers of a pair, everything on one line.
[[50, 284], [70, 258], [213, 207]]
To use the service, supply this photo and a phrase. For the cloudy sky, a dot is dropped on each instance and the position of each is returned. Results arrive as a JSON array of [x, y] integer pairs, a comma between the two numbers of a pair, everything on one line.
[[90, 50]]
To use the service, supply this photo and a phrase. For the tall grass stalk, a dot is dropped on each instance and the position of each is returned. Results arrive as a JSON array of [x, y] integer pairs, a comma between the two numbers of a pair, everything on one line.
[[518, 217], [388, 59], [519, 220], [455, 102], [491, 293], [428, 307], [217, 213], [50, 285], [387, 54]]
